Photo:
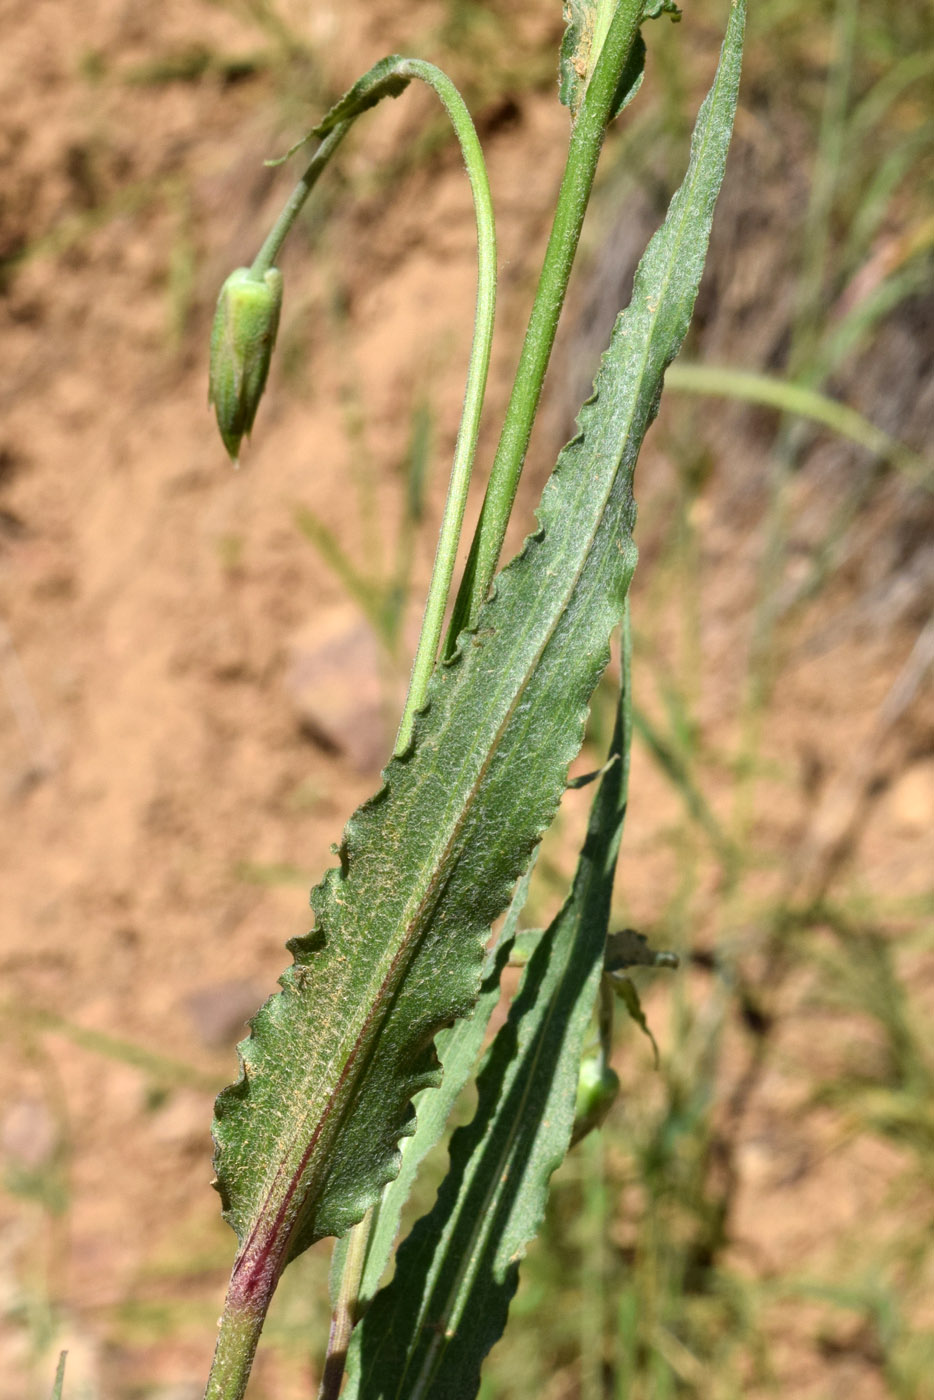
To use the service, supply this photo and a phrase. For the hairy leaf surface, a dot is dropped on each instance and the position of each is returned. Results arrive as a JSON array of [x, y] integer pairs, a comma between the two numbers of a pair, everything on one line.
[[309, 1135], [426, 1334], [458, 1050]]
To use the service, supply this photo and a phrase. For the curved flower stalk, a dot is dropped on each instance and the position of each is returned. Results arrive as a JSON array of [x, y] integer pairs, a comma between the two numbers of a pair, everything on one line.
[[248, 316]]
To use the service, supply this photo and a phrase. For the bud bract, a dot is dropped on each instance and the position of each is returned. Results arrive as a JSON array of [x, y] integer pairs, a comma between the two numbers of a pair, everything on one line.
[[242, 340], [597, 1088]]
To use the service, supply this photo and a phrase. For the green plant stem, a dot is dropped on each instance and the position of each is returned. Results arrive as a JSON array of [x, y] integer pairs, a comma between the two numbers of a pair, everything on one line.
[[468, 432], [573, 198], [605, 1007], [238, 1333], [594, 1269], [269, 252], [477, 370], [59, 1376], [345, 1309]]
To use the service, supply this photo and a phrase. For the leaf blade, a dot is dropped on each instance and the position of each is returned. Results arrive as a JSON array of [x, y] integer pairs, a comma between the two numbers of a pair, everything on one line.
[[459, 1051]]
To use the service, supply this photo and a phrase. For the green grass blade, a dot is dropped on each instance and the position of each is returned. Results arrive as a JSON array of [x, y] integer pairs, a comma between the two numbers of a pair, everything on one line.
[[59, 1381], [164, 1070], [309, 1135], [366, 593], [772, 392], [676, 769], [426, 1335]]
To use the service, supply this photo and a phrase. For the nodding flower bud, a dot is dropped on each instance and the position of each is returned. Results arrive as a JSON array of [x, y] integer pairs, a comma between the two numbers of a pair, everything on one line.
[[242, 340], [597, 1088]]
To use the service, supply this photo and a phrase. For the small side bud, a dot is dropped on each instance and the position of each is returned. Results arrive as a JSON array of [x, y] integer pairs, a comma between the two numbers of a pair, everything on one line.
[[597, 1088], [242, 341]]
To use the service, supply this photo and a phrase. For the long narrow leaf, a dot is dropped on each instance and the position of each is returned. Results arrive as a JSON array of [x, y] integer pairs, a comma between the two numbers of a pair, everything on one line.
[[309, 1135], [427, 1333], [771, 391], [59, 1381]]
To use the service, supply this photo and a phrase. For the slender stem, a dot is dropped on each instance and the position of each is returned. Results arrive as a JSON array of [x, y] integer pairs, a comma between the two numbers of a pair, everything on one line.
[[59, 1376], [344, 1318], [477, 370], [465, 447], [593, 1271], [277, 235], [574, 195], [605, 1008], [237, 1337]]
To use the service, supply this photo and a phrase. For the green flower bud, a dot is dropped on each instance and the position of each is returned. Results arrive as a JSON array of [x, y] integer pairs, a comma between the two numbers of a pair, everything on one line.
[[597, 1088], [242, 340]]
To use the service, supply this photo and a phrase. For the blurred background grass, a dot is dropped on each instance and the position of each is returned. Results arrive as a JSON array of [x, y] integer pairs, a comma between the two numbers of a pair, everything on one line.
[[756, 1216]]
